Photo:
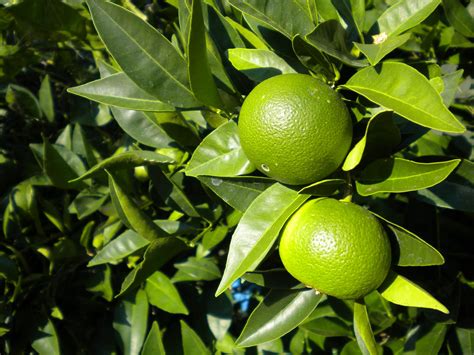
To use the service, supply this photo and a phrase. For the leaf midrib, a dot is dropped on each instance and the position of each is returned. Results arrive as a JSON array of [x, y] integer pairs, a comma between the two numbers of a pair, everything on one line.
[[144, 51], [361, 88]]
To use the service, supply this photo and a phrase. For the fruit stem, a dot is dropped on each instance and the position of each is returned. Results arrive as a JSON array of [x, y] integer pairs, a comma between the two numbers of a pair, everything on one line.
[[348, 191]]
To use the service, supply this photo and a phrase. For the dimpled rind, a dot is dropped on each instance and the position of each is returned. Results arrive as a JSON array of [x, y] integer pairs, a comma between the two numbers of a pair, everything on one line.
[[295, 129], [338, 248]]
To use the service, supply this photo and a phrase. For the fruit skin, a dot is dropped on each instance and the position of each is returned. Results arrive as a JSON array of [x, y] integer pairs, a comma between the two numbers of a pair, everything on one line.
[[295, 129], [338, 248]]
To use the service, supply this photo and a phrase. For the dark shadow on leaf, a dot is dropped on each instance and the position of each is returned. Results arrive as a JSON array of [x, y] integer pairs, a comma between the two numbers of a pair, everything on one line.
[[377, 171], [260, 74]]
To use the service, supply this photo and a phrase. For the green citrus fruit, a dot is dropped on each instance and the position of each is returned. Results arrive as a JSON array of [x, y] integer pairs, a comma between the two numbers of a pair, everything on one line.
[[338, 248], [295, 129]]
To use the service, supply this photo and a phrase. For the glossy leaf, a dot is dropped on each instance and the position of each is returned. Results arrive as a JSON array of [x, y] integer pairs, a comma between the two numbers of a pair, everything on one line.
[[375, 52], [380, 137], [258, 64], [450, 86], [277, 314], [61, 165], [46, 340], [153, 344], [465, 340], [276, 16], [200, 75], [88, 201], [278, 279], [456, 192], [331, 38], [163, 294], [129, 159], [130, 322], [192, 343], [459, 17], [22, 100], [328, 327], [257, 231], [142, 127], [46, 101], [326, 187], [401, 88], [412, 250], [404, 15], [426, 338], [219, 314], [363, 329], [220, 154], [195, 269], [124, 245], [130, 213], [238, 192], [251, 37], [171, 192], [158, 253], [401, 175], [119, 90], [143, 53], [313, 59], [402, 291]]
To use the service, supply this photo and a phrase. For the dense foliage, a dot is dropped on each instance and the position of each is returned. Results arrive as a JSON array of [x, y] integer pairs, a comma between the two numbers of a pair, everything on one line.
[[133, 222]]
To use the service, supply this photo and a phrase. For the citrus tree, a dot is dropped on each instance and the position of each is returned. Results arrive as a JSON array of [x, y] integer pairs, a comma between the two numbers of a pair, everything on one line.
[[236, 176]]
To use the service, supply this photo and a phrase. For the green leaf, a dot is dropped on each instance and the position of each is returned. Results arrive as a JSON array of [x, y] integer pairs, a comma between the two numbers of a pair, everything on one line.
[[99, 281], [402, 291], [61, 165], [219, 314], [274, 15], [88, 201], [22, 100], [46, 101], [195, 269], [258, 64], [459, 17], [128, 159], [456, 192], [425, 338], [258, 230], [130, 213], [171, 192], [200, 75], [313, 59], [238, 192], [404, 15], [124, 245], [401, 88], [401, 175], [381, 136], [119, 90], [158, 253], [220, 154], [163, 294], [412, 250], [328, 327], [375, 52], [142, 127], [278, 279], [143, 53], [130, 322], [278, 314], [251, 37], [464, 341], [192, 343], [450, 86], [153, 344], [46, 340], [325, 187], [331, 38], [363, 329]]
